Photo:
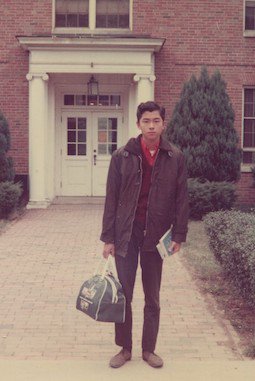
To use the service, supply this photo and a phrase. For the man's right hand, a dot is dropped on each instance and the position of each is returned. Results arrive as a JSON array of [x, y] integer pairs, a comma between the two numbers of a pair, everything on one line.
[[109, 249]]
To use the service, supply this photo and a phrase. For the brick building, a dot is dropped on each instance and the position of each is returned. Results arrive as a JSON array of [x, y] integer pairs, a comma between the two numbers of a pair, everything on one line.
[[73, 71]]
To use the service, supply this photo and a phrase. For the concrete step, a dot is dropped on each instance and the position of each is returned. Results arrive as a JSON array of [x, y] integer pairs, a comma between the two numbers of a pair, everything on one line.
[[78, 200]]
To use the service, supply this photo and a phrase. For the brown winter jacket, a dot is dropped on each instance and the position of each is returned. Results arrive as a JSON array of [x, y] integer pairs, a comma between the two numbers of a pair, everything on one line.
[[167, 202]]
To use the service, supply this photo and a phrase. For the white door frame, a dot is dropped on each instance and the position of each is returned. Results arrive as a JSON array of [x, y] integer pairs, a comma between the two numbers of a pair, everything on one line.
[[86, 175], [75, 166]]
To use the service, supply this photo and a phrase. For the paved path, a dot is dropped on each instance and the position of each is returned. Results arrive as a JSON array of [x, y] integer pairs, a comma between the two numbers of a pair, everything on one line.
[[45, 257]]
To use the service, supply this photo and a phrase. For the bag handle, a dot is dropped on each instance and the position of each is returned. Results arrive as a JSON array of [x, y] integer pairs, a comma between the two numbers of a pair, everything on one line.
[[112, 264], [105, 265]]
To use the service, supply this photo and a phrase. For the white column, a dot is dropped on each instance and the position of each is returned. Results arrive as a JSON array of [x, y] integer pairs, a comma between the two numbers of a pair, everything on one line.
[[38, 115], [145, 88], [50, 144], [143, 92], [132, 130]]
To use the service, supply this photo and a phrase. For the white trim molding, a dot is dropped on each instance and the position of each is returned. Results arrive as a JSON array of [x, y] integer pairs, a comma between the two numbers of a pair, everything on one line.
[[94, 43]]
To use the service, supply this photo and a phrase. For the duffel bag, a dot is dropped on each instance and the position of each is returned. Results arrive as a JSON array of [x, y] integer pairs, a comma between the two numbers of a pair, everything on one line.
[[101, 297]]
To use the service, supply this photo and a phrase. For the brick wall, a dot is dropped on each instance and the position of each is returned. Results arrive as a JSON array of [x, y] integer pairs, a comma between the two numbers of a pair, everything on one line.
[[19, 18], [206, 33], [246, 190]]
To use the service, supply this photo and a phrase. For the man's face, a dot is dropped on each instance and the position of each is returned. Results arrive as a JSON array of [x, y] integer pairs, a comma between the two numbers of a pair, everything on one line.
[[151, 125]]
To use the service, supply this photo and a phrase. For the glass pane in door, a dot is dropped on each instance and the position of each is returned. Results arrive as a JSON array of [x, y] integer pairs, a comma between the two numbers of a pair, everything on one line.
[[76, 136], [107, 135]]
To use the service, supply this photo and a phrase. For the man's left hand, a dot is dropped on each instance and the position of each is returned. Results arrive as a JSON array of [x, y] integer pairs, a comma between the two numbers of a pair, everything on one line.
[[174, 247]]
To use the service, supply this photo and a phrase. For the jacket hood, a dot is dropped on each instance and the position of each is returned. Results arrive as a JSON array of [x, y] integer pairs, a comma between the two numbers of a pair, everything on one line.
[[134, 145]]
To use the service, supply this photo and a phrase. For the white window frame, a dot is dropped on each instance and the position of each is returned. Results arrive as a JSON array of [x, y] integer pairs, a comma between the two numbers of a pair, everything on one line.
[[246, 167], [246, 33], [92, 22], [98, 106]]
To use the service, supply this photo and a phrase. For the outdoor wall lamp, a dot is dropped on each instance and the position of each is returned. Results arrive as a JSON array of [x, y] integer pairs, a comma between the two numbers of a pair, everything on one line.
[[93, 88], [93, 91]]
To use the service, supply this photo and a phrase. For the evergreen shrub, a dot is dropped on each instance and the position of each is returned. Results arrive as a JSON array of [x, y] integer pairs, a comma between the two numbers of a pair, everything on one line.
[[6, 164], [208, 196], [202, 126], [232, 239], [9, 197]]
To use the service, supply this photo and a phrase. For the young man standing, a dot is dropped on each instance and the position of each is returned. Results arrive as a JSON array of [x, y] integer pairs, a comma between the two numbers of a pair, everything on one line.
[[146, 195]]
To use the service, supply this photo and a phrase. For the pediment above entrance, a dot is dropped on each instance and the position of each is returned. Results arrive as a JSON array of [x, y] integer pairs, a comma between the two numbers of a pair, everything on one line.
[[91, 54]]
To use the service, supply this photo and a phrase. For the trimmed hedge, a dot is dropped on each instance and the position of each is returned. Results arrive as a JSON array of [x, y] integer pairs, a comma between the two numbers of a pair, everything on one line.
[[9, 197], [232, 239], [209, 196]]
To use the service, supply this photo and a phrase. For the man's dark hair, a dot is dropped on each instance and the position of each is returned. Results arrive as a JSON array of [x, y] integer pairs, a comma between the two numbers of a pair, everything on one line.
[[149, 106]]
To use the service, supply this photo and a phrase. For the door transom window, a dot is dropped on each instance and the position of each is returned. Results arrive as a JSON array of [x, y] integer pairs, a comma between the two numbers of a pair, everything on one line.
[[92, 100]]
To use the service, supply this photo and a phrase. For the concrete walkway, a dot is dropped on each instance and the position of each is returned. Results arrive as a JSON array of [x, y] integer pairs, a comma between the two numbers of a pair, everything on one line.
[[44, 258]]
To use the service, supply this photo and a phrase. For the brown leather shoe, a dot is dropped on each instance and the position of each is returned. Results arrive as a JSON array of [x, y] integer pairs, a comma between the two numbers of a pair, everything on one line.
[[120, 359], [152, 359]]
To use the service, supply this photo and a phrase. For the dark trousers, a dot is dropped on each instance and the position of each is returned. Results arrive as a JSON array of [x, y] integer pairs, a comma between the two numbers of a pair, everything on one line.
[[151, 266]]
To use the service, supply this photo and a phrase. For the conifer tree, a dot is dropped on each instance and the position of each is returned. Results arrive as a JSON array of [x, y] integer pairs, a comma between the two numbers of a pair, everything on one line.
[[202, 125], [6, 163]]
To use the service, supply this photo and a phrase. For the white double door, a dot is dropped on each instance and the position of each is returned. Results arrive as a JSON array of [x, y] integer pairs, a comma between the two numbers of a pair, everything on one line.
[[88, 140]]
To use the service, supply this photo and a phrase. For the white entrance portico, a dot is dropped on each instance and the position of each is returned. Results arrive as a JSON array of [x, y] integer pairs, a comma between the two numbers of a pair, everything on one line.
[[70, 147]]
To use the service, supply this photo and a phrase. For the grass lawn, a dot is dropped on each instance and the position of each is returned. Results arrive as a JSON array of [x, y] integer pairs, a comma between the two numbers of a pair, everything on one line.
[[211, 280]]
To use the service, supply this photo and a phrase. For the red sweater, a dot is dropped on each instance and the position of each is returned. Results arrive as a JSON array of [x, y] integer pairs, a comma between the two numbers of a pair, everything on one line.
[[147, 166]]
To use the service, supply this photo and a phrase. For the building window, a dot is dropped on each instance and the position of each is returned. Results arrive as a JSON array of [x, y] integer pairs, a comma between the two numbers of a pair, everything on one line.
[[72, 13], [249, 126], [92, 14], [250, 15], [112, 13]]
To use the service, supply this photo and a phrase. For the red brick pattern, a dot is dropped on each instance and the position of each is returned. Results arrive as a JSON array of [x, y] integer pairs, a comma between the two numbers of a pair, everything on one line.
[[206, 33], [19, 18], [246, 190], [45, 258]]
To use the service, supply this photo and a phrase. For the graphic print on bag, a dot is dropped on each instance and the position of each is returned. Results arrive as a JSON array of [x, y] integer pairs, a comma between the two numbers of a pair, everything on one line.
[[102, 299]]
